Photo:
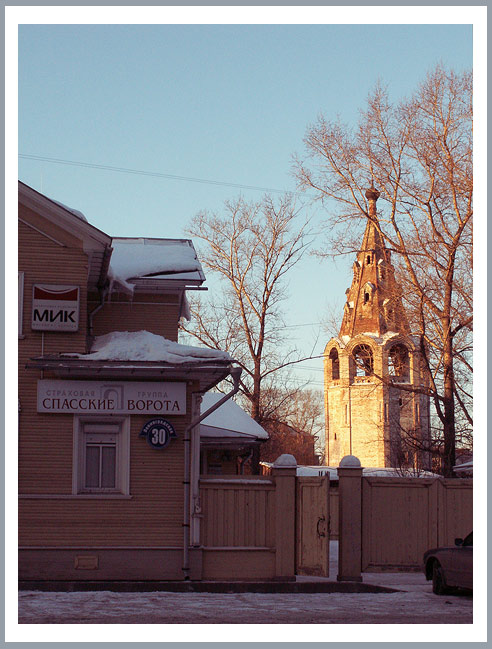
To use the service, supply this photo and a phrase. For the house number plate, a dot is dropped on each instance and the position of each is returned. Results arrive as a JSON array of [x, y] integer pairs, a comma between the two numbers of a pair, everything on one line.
[[158, 433]]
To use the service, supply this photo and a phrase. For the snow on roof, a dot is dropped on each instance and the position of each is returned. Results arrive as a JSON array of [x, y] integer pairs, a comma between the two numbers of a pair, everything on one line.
[[465, 466], [146, 346], [139, 258], [76, 213], [229, 417]]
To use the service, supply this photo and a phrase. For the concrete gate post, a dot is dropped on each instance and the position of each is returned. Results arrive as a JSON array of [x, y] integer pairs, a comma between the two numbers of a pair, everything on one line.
[[284, 472], [350, 519]]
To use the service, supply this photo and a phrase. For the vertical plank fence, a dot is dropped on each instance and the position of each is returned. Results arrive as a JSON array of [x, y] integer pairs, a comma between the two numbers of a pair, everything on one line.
[[404, 517]]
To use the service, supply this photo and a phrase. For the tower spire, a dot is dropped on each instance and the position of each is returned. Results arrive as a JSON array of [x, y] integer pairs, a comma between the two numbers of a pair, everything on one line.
[[373, 301]]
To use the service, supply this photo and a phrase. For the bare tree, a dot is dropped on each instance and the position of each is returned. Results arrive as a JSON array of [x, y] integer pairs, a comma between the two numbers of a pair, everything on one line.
[[295, 422], [418, 153], [251, 248]]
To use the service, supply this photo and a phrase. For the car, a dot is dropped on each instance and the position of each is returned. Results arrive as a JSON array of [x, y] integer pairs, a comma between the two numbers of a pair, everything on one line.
[[450, 567]]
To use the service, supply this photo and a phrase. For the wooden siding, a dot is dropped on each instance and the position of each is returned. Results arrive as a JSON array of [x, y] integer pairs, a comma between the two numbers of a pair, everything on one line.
[[45, 451], [153, 514], [142, 313], [45, 262]]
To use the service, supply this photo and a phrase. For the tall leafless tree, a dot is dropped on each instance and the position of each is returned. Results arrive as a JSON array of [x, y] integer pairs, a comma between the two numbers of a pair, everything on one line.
[[250, 247], [294, 420], [418, 153]]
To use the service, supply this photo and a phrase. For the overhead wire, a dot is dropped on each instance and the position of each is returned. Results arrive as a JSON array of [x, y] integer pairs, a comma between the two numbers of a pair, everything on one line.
[[155, 174]]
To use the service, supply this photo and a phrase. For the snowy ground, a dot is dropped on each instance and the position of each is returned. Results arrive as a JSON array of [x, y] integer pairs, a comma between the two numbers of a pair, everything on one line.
[[415, 604]]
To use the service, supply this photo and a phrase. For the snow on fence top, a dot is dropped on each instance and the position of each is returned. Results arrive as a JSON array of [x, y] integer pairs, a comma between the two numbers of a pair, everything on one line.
[[146, 346], [139, 258]]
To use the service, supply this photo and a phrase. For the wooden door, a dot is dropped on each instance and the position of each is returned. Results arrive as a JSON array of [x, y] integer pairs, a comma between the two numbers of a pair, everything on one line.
[[313, 526]]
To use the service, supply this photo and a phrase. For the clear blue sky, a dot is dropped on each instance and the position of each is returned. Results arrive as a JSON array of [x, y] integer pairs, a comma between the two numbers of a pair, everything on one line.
[[220, 103]]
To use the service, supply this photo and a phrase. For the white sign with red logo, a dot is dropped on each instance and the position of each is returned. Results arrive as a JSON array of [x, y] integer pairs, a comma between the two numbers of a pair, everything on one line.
[[55, 308]]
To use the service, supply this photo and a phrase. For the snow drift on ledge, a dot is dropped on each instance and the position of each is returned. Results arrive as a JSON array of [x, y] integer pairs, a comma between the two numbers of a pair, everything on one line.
[[139, 258], [146, 346]]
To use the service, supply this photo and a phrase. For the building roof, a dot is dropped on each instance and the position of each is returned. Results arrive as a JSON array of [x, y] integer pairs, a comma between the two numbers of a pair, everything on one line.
[[373, 300], [153, 263], [230, 420], [96, 244]]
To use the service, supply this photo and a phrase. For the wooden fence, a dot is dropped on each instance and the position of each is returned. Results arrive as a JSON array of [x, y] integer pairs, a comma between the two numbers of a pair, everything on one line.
[[239, 512], [248, 526], [404, 517]]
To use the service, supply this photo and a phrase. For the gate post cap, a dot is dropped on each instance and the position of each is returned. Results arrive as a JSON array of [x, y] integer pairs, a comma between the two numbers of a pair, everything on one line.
[[350, 462], [285, 460]]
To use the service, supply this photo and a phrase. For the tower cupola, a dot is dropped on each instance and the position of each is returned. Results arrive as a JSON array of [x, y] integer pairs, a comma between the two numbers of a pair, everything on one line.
[[374, 299]]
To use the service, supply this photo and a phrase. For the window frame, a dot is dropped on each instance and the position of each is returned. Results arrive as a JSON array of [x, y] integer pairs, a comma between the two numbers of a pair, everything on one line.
[[119, 427]]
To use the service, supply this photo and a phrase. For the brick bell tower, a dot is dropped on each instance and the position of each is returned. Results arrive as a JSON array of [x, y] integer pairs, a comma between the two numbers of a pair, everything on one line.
[[372, 368]]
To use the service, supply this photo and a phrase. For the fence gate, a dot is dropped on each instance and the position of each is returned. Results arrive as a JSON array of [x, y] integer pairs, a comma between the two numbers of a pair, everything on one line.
[[313, 526]]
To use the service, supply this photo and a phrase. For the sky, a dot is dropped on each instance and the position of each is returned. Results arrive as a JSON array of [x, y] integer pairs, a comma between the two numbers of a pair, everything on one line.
[[219, 103], [227, 105]]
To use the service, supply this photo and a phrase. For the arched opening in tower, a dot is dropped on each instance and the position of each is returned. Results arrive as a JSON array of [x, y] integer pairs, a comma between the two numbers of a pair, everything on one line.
[[335, 365], [398, 362], [362, 361]]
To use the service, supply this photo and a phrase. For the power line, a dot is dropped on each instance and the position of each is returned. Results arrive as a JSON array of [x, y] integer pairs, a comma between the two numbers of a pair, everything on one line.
[[153, 174]]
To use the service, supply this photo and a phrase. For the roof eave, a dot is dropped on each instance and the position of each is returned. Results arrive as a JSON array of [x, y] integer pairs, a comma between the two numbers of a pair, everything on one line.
[[207, 374], [62, 216]]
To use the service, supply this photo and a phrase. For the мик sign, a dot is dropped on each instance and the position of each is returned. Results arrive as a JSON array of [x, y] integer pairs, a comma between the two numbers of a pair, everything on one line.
[[55, 308]]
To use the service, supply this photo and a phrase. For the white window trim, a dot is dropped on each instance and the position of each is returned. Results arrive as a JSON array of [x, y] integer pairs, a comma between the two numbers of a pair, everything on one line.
[[122, 456], [20, 279]]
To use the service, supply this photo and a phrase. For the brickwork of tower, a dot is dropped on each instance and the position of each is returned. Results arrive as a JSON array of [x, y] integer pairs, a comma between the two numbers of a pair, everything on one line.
[[374, 378]]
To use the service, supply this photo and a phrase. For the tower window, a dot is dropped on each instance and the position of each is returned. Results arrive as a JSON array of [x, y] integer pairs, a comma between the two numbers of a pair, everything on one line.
[[335, 365], [368, 260], [366, 298], [363, 360], [398, 362]]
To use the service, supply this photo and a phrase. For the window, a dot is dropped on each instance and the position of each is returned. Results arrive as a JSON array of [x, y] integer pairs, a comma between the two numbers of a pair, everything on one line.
[[20, 281], [100, 461], [362, 360], [368, 260], [101, 456], [335, 365], [366, 297], [398, 362]]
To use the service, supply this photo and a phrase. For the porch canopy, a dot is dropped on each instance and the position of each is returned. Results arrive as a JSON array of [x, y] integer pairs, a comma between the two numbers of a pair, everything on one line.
[[140, 355], [228, 427]]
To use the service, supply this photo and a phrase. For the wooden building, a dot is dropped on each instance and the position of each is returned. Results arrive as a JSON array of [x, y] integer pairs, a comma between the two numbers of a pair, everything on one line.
[[109, 402]]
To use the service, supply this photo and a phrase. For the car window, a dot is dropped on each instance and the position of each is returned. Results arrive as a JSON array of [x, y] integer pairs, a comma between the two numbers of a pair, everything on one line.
[[469, 539]]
